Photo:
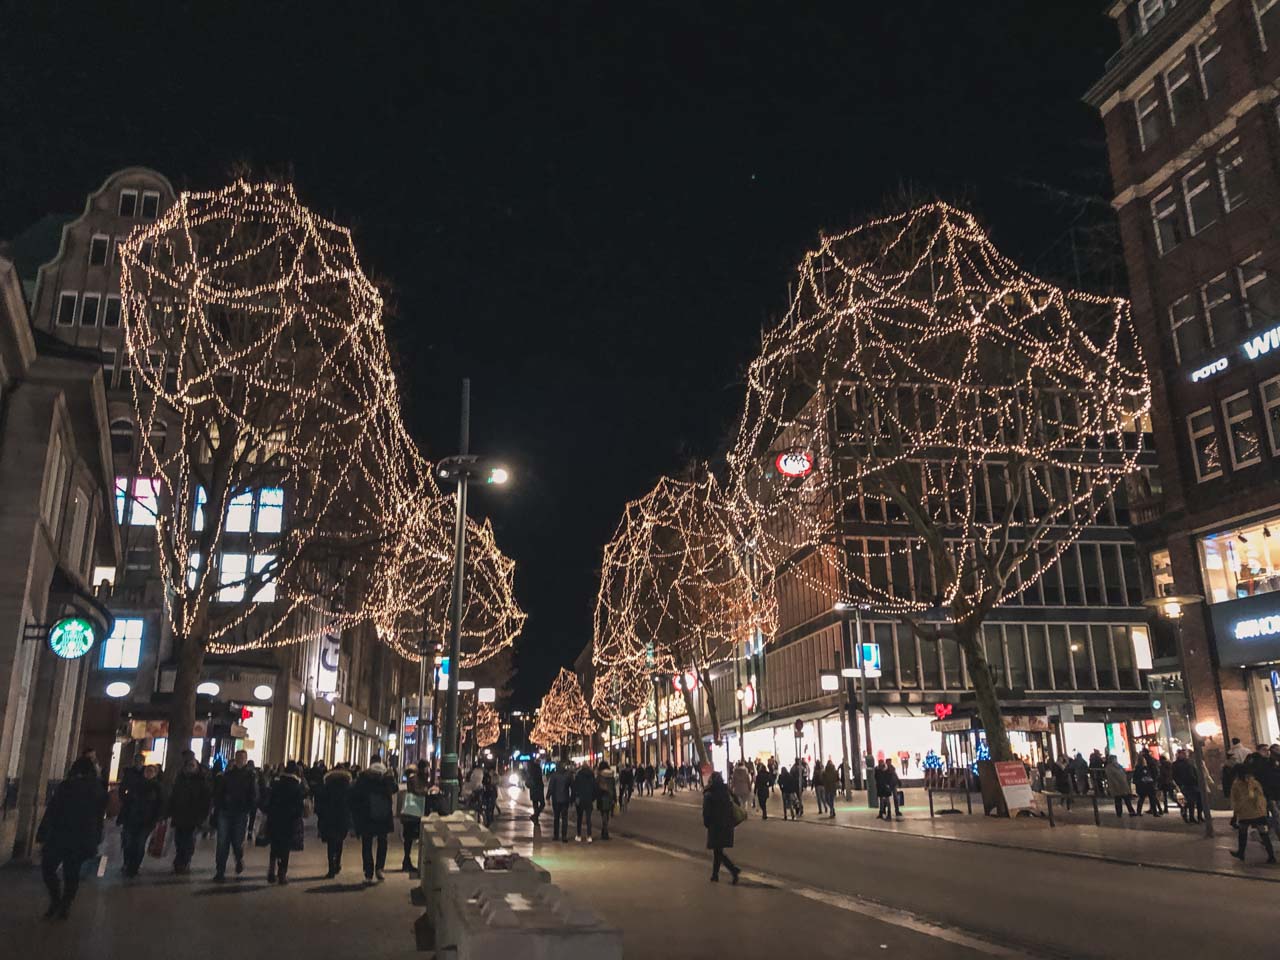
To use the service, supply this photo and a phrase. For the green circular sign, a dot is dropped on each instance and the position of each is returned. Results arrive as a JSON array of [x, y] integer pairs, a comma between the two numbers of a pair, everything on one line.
[[71, 637]]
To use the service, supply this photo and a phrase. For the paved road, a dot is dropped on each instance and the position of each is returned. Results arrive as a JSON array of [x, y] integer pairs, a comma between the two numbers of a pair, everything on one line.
[[1043, 904]]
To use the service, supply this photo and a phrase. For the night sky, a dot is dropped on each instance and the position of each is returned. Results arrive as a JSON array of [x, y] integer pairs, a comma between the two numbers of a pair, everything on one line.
[[588, 208]]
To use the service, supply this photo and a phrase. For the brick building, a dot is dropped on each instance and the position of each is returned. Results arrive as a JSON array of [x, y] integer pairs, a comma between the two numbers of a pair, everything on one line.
[[1189, 104]]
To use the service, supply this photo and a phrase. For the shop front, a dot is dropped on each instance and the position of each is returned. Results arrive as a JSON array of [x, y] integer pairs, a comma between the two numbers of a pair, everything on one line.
[[1247, 632]]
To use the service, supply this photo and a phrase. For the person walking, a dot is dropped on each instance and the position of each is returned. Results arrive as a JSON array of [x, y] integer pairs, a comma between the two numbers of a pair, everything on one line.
[[372, 817], [70, 832], [606, 796], [819, 795], [720, 819], [416, 784], [626, 782], [764, 783], [283, 825], [333, 814], [1249, 810], [584, 798], [189, 804], [537, 789], [1118, 784], [1187, 780], [560, 791], [740, 783], [830, 780], [1168, 789], [650, 774], [1145, 774], [883, 791], [786, 786], [235, 794], [140, 810]]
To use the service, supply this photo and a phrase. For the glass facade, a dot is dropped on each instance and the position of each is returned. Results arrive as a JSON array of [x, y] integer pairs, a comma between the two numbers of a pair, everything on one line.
[[1241, 562]]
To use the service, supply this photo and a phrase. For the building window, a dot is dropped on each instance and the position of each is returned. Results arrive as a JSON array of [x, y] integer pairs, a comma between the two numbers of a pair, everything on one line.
[[1162, 574], [89, 310], [1241, 562], [150, 204], [67, 308], [108, 370], [140, 509], [1267, 14], [1223, 309], [111, 315], [270, 510], [1167, 220], [1231, 176], [193, 569], [1242, 430], [1261, 299], [121, 438], [1212, 74], [128, 203], [1270, 391], [1189, 339], [1204, 444], [267, 592], [240, 513], [1202, 205], [1182, 93], [1150, 126], [231, 577], [98, 248], [197, 514], [1152, 12], [123, 648]]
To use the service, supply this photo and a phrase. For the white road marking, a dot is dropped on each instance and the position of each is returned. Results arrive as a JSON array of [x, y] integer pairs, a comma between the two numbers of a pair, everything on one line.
[[859, 905]]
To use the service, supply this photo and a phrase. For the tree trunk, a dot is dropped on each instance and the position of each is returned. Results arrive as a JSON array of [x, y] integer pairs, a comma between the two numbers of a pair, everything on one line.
[[984, 688], [635, 737], [704, 681], [182, 706], [694, 727]]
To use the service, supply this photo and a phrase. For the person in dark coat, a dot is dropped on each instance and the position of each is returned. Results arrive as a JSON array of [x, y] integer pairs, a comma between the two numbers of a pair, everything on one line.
[[786, 786], [537, 789], [189, 803], [606, 796], [284, 821], [235, 795], [70, 833], [1187, 778], [584, 798], [560, 790], [719, 819], [372, 816], [333, 814], [763, 782], [140, 809]]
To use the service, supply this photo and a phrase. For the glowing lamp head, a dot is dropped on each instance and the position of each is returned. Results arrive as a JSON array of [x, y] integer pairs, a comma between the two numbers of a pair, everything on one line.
[[1208, 728], [117, 689], [262, 692], [498, 476], [208, 689]]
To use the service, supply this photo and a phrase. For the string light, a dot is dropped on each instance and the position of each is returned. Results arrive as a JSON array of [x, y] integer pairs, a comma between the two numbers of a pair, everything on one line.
[[486, 723], [563, 714]]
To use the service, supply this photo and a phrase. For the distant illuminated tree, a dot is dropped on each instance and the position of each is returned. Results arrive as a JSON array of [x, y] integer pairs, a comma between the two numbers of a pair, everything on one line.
[[676, 585], [984, 415], [486, 727], [563, 715]]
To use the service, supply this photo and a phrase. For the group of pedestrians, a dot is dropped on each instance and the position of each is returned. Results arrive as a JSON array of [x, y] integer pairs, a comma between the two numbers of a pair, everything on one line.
[[585, 789]]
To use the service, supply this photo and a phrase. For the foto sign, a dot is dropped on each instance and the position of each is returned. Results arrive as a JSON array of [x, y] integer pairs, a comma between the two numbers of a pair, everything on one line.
[[71, 637]]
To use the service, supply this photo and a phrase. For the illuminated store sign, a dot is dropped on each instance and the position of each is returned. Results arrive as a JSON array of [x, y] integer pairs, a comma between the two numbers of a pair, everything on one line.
[[1257, 627], [1253, 348], [1210, 369]]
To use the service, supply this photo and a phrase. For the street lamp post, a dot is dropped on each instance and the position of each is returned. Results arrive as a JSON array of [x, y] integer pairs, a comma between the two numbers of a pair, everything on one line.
[[740, 695], [847, 671], [1173, 609]]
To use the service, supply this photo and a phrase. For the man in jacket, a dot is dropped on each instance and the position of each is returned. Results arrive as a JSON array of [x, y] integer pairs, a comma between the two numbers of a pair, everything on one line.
[[235, 795], [372, 815], [829, 781], [560, 790], [188, 808], [584, 796], [537, 789], [140, 811], [606, 797], [70, 832], [1187, 778]]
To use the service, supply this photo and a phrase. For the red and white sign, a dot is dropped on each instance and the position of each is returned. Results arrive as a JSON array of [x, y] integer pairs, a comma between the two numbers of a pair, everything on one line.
[[1014, 783], [794, 463], [690, 680]]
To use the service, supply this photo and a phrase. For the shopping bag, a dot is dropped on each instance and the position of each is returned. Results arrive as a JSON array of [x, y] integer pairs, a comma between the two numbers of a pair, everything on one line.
[[901, 798], [739, 813], [156, 847], [413, 806]]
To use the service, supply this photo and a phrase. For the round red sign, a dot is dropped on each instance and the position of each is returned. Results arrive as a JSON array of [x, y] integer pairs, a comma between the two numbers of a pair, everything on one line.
[[794, 463]]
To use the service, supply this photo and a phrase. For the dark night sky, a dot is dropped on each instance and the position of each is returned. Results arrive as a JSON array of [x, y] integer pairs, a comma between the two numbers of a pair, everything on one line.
[[589, 208]]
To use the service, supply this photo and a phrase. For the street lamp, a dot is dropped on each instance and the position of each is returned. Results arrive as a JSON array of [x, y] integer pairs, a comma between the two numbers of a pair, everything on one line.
[[740, 695], [848, 671], [1173, 608], [461, 469]]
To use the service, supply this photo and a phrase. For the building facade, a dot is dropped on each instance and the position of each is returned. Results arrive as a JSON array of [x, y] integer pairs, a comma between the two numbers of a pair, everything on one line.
[[57, 527], [1189, 104]]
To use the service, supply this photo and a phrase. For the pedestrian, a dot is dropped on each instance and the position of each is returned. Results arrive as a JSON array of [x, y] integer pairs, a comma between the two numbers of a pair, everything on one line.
[[489, 796], [606, 796], [372, 817], [1118, 785], [333, 814], [1145, 776], [537, 789], [626, 780], [1270, 780], [1187, 779], [819, 795], [650, 774], [70, 832], [140, 811], [1249, 809], [720, 819], [560, 791], [189, 805], [894, 783], [235, 794], [417, 782], [883, 791], [797, 789], [764, 785], [1168, 789], [284, 808], [786, 787], [740, 783], [830, 779], [1079, 767], [1238, 753], [584, 798]]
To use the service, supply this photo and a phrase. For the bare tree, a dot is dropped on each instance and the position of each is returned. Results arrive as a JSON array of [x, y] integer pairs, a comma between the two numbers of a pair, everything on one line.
[[977, 415]]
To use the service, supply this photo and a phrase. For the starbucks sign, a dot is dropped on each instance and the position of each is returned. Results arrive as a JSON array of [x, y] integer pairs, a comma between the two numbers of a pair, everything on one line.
[[71, 637]]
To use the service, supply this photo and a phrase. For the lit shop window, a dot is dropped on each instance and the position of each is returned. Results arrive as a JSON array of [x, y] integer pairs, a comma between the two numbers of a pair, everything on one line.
[[1242, 562], [231, 576], [123, 648], [240, 513], [145, 501], [270, 510]]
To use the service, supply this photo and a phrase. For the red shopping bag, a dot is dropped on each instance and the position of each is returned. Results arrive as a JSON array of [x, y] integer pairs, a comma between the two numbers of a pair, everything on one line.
[[156, 847]]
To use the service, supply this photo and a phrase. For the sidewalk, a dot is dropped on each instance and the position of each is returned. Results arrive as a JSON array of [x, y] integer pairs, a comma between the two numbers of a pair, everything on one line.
[[1163, 842]]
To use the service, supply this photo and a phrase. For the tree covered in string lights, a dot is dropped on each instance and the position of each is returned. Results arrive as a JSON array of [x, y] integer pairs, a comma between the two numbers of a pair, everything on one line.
[[980, 415], [563, 715], [482, 725], [677, 588]]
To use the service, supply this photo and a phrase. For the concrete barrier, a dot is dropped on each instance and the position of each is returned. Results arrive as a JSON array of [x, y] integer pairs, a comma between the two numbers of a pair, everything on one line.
[[443, 839], [457, 879], [543, 924]]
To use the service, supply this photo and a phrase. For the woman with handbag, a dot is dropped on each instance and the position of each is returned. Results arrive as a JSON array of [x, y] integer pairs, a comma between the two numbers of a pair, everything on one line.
[[720, 819], [284, 822]]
